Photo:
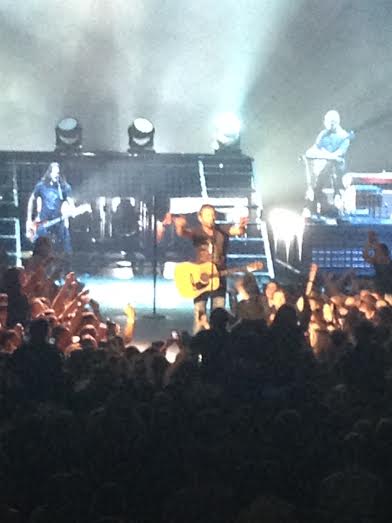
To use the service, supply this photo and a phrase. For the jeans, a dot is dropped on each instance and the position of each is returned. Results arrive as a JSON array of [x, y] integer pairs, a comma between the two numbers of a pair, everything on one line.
[[59, 236], [200, 309]]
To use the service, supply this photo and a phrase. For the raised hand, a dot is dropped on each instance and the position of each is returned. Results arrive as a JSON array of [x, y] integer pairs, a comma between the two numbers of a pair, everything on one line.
[[179, 221], [130, 312], [168, 219], [244, 220]]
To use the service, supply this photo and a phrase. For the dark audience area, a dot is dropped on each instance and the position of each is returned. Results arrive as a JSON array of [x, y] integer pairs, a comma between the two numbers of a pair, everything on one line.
[[279, 411]]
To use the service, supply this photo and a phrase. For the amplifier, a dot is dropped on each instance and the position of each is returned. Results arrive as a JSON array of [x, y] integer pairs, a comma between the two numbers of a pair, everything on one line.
[[387, 203], [382, 179], [363, 200]]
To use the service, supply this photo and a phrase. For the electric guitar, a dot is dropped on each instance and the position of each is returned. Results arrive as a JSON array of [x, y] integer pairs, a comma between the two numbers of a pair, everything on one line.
[[41, 225], [192, 279]]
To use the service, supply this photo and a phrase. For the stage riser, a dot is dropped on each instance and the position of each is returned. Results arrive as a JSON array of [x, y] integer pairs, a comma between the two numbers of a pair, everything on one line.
[[340, 247], [335, 248], [103, 176]]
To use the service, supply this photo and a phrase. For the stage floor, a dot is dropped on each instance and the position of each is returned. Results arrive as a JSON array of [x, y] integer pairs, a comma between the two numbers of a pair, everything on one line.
[[113, 295]]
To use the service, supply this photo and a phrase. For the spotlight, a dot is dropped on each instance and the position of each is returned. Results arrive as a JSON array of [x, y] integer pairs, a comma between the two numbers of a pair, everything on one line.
[[169, 270], [287, 226], [120, 270], [68, 135], [141, 135], [228, 138]]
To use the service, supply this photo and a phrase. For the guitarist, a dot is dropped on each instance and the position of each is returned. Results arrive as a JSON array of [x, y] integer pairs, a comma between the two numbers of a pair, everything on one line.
[[50, 196], [210, 241], [327, 155]]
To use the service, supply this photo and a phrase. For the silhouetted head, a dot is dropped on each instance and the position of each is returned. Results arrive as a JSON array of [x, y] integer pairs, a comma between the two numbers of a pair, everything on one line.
[[42, 246], [250, 285], [219, 319], [39, 330]]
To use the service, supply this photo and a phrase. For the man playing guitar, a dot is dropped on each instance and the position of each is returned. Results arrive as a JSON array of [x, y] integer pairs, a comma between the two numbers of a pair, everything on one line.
[[52, 196], [325, 160], [210, 241]]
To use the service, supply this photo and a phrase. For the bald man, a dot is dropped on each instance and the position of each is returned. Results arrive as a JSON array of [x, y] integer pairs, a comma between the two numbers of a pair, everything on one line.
[[328, 158]]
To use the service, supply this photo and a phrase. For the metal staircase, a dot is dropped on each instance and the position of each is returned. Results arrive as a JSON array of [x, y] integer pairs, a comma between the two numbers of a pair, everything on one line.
[[228, 185], [10, 233]]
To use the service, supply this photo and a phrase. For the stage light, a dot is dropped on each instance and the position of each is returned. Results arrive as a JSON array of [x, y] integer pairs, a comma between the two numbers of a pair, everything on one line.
[[169, 270], [287, 226], [228, 139], [68, 135], [119, 270], [141, 136]]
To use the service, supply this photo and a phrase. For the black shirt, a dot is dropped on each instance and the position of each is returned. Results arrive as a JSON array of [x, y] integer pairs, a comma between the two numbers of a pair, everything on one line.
[[52, 195], [211, 248], [252, 309], [383, 277]]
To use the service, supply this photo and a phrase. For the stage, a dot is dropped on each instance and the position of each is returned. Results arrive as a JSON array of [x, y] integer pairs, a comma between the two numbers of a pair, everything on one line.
[[333, 244], [114, 294]]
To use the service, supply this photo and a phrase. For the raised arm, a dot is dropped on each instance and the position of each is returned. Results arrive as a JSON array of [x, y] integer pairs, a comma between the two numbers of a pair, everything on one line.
[[181, 227], [33, 200], [240, 228], [369, 247], [130, 324], [30, 208]]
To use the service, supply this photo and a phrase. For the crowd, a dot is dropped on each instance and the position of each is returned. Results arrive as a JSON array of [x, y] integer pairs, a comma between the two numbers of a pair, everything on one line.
[[277, 411]]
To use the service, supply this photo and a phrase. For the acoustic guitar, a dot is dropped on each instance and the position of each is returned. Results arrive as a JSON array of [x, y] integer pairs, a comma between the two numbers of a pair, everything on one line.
[[192, 279]]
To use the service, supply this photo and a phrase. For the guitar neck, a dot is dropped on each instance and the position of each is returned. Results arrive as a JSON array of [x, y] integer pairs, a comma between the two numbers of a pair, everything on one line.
[[49, 223], [232, 270], [77, 211]]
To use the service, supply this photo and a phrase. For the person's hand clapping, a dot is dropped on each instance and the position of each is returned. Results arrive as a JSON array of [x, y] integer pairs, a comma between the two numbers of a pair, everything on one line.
[[244, 220]]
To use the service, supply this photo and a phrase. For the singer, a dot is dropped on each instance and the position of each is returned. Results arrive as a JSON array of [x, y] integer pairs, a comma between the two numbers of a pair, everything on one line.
[[210, 241], [51, 203]]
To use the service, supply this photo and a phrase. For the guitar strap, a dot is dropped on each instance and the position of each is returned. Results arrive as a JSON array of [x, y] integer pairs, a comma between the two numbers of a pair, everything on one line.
[[60, 191], [212, 253]]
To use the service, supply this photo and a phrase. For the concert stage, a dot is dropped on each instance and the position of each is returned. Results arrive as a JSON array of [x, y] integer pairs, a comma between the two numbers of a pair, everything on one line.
[[127, 194], [114, 294], [334, 244]]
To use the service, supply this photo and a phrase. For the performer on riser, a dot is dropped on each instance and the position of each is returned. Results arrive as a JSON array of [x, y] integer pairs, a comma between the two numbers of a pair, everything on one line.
[[210, 241], [52, 198], [328, 160]]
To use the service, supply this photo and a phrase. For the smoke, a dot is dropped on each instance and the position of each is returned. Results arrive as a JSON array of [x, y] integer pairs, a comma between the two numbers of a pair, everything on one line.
[[278, 64]]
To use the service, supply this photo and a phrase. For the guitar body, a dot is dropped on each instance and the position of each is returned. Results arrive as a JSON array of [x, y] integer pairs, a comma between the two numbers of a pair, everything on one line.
[[39, 229], [193, 279], [43, 228]]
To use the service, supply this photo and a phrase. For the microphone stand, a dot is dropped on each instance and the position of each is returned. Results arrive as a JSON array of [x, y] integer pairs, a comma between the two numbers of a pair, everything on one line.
[[154, 315]]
